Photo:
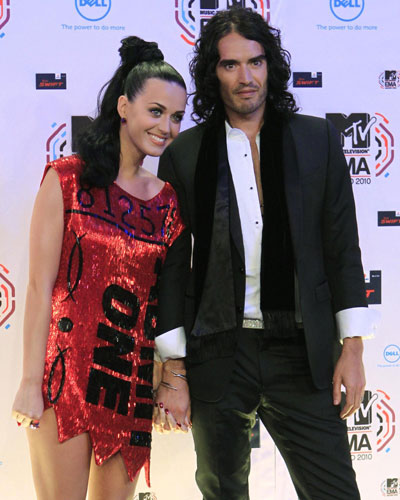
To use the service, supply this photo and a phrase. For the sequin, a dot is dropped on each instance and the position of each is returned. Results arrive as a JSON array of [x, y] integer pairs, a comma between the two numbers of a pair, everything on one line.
[[99, 368]]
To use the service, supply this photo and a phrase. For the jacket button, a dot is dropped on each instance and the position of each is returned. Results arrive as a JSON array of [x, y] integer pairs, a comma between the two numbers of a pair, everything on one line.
[[241, 269], [239, 309]]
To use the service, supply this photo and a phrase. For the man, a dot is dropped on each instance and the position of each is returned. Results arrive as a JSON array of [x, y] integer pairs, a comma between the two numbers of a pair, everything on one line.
[[277, 282]]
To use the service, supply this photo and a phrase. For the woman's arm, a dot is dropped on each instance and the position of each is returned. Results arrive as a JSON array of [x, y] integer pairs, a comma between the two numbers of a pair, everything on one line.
[[46, 235]]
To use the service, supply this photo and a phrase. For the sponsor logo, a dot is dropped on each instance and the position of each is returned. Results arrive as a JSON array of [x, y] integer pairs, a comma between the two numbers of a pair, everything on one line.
[[56, 142], [390, 487], [5, 13], [307, 79], [374, 287], [368, 144], [192, 15], [255, 434], [347, 10], [51, 81], [391, 353], [372, 427], [93, 10], [78, 125], [389, 218], [146, 496], [7, 298], [389, 79]]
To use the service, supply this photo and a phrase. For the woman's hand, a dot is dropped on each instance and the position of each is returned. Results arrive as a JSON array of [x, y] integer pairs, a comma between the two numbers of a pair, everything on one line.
[[28, 404], [172, 399]]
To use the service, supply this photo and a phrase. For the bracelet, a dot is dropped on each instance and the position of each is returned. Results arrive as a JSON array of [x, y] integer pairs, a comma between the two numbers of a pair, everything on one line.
[[180, 375], [168, 385]]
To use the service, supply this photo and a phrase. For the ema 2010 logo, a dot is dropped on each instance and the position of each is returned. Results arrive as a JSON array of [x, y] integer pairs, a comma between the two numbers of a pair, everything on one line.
[[389, 79], [372, 427], [192, 15], [5, 13], [390, 487], [368, 144], [7, 298], [347, 10], [93, 10]]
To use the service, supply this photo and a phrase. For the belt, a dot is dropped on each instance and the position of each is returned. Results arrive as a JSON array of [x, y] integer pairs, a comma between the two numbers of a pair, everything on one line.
[[257, 324]]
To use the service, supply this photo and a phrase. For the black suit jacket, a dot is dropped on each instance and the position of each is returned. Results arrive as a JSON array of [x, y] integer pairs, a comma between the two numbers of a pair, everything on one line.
[[324, 235]]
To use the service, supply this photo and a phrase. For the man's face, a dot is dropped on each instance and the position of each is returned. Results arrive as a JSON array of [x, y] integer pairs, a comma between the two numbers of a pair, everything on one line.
[[242, 73]]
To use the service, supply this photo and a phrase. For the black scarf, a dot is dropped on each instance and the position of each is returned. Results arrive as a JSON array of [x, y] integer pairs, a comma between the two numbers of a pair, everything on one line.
[[212, 263]]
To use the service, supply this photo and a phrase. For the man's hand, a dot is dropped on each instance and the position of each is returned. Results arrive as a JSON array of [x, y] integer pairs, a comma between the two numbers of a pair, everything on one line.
[[172, 400], [349, 372]]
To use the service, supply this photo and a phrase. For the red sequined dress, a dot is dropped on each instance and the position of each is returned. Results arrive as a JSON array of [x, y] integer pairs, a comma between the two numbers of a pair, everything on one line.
[[99, 359]]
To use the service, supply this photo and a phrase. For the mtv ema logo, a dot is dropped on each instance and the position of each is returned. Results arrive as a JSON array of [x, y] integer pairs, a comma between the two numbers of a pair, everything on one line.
[[390, 487], [7, 298], [4, 15], [368, 144], [372, 427], [192, 15], [347, 10], [93, 10], [389, 79], [146, 496], [56, 142], [373, 287]]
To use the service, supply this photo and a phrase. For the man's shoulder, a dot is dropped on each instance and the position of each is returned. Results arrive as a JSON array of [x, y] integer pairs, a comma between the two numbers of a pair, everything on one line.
[[298, 119], [189, 137]]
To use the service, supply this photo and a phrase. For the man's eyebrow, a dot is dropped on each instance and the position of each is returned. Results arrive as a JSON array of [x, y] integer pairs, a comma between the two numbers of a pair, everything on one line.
[[261, 57], [223, 62]]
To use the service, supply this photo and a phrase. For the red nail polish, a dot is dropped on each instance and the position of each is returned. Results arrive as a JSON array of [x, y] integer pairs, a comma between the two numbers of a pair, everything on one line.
[[166, 411], [161, 405], [19, 424]]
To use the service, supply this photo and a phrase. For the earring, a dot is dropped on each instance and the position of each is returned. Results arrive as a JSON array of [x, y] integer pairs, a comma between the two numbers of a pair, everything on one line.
[[123, 120]]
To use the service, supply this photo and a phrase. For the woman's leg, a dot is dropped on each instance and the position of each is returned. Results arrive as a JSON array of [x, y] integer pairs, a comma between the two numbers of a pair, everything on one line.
[[60, 470], [110, 480]]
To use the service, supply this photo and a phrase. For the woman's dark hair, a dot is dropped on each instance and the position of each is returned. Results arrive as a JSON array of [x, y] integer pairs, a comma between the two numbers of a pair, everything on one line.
[[99, 145], [207, 102]]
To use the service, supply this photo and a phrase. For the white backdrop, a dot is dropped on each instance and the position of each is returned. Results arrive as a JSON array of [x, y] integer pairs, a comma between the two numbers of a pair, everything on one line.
[[54, 57]]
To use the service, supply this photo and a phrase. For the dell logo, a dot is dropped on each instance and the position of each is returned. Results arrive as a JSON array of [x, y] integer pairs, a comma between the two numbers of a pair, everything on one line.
[[347, 10]]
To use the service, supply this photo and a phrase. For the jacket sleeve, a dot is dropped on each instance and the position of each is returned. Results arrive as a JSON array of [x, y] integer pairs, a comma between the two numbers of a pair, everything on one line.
[[170, 334], [341, 248]]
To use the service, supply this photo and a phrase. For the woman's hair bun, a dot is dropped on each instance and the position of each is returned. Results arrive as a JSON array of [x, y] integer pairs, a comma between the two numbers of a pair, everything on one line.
[[134, 50]]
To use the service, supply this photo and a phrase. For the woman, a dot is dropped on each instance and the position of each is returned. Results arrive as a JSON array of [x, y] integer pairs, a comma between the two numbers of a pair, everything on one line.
[[101, 229]]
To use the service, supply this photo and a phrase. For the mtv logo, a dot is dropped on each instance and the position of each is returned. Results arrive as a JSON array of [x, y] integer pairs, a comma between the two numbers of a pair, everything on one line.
[[147, 496], [392, 483], [391, 75], [209, 4], [356, 127], [364, 415]]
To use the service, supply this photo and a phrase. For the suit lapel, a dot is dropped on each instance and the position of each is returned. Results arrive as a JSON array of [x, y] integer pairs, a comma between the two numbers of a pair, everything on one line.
[[293, 191]]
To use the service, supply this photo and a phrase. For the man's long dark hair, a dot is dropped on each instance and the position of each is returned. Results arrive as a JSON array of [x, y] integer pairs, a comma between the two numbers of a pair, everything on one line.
[[207, 102], [99, 144]]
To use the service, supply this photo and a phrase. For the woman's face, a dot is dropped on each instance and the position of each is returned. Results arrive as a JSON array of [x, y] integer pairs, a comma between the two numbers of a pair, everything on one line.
[[153, 117]]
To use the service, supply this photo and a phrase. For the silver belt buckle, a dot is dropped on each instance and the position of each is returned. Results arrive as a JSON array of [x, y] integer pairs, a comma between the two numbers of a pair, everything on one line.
[[257, 324]]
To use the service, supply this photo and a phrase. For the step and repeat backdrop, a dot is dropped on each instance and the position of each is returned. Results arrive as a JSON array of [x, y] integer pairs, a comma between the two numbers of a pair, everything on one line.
[[54, 58]]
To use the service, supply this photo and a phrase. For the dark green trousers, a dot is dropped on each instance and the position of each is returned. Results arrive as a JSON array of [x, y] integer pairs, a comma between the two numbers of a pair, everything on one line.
[[273, 379]]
